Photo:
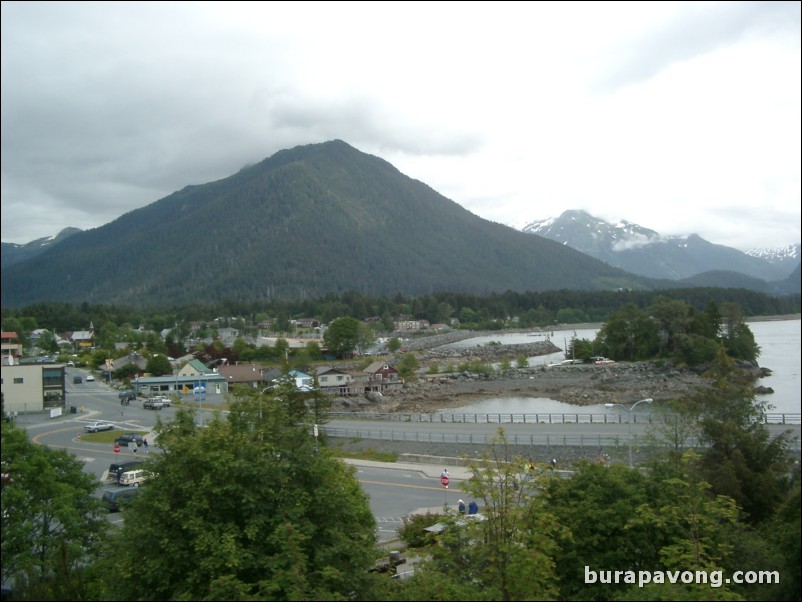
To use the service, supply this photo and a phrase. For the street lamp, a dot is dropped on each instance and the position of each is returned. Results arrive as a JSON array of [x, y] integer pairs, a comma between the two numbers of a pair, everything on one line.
[[629, 419]]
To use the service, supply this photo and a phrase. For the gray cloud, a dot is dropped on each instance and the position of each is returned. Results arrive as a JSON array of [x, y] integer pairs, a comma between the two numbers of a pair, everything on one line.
[[699, 28], [107, 107]]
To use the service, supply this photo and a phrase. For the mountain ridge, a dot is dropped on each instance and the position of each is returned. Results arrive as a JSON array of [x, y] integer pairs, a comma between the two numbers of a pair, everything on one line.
[[307, 221]]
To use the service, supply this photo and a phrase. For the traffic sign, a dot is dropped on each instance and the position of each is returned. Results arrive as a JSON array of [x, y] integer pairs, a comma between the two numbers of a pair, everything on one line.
[[116, 449], [444, 481]]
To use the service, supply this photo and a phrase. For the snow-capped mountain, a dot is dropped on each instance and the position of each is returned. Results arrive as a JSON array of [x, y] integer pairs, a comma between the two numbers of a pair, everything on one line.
[[15, 253], [781, 255], [645, 252]]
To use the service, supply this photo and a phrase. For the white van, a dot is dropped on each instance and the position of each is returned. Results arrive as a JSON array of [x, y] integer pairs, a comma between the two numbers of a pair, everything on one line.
[[133, 478]]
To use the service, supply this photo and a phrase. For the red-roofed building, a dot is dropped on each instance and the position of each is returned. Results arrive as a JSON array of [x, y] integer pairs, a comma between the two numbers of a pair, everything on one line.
[[10, 344]]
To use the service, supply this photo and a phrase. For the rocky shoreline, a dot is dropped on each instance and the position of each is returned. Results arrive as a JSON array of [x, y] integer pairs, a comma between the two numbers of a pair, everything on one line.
[[580, 385]]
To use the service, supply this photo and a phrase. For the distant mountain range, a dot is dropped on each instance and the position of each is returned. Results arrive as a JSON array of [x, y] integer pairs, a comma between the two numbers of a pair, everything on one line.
[[14, 253], [645, 252], [320, 219]]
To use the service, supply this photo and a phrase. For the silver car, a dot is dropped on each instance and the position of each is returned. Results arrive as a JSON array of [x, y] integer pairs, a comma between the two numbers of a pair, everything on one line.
[[94, 427]]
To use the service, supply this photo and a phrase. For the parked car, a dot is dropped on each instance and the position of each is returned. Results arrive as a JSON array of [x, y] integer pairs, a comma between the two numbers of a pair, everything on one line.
[[90, 378], [166, 401], [134, 478], [118, 498], [117, 469], [152, 404], [127, 438], [94, 427]]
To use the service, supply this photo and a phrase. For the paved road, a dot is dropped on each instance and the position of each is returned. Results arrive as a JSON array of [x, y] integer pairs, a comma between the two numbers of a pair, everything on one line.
[[533, 434]]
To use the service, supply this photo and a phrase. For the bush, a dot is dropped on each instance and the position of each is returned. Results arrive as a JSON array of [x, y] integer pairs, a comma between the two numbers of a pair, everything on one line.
[[413, 533], [477, 367]]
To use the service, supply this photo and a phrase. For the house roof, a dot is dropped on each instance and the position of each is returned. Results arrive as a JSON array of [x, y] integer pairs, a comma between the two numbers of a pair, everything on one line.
[[81, 335], [242, 372], [378, 366], [198, 365]]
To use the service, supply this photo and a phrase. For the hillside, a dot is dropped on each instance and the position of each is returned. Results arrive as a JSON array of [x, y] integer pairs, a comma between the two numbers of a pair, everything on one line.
[[316, 219]]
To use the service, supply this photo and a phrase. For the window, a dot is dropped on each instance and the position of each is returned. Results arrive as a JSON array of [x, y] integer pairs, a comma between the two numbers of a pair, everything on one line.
[[52, 378], [18, 381]]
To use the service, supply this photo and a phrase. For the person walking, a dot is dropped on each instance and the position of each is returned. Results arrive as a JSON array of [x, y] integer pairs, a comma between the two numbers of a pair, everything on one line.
[[145, 443], [461, 507], [473, 507]]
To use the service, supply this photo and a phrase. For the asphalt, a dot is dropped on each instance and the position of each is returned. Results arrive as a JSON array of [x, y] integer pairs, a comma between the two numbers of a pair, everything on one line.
[[459, 473]]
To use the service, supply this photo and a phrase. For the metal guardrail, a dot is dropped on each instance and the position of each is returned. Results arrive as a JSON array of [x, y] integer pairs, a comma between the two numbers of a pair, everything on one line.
[[582, 441], [589, 441], [545, 418]]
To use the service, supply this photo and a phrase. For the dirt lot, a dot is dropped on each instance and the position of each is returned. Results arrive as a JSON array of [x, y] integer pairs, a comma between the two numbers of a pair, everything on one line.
[[619, 383]]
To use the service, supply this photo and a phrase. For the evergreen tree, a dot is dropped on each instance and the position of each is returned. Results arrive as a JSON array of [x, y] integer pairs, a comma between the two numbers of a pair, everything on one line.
[[52, 520], [247, 508], [740, 460]]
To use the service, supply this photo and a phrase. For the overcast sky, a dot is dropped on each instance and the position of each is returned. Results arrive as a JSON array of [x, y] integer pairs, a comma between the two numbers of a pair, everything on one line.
[[680, 117]]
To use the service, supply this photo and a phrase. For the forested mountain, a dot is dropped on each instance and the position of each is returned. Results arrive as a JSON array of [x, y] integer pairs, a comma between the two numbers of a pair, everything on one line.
[[312, 220]]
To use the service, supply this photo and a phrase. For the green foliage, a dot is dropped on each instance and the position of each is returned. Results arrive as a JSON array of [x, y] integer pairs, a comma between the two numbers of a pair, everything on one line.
[[581, 349], [413, 532], [740, 343], [673, 429], [372, 454], [697, 524], [569, 315], [246, 508], [694, 350], [785, 532], [476, 367], [159, 365], [342, 336], [366, 337], [740, 459], [595, 505], [510, 554], [393, 345], [52, 522], [521, 361], [408, 365]]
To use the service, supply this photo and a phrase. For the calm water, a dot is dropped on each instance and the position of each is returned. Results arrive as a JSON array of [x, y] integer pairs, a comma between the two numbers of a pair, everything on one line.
[[781, 351]]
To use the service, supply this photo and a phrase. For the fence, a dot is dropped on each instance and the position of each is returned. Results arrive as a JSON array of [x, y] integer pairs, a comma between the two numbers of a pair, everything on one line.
[[580, 441], [521, 439], [564, 418]]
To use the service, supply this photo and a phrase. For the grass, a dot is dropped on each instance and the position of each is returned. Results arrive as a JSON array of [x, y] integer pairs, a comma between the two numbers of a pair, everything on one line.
[[106, 436], [364, 454]]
